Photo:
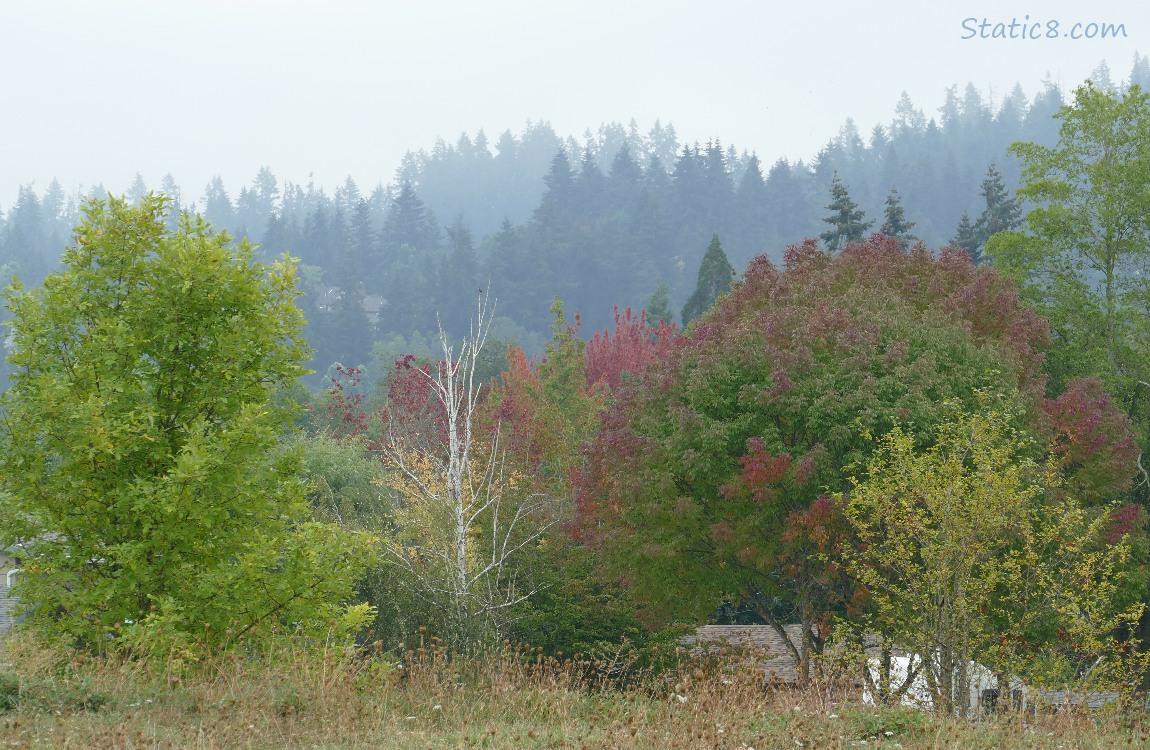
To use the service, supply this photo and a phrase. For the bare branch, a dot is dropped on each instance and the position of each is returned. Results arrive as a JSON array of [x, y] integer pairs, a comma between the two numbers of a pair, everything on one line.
[[473, 496]]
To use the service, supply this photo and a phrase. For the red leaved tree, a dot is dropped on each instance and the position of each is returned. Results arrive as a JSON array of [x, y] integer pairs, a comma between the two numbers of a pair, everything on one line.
[[710, 479], [629, 351]]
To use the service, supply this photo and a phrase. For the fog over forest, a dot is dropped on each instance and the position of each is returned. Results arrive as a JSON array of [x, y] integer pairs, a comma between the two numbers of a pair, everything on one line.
[[600, 220]]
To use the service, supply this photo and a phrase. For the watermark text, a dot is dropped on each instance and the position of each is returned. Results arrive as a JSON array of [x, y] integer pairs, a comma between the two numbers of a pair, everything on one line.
[[1029, 28]]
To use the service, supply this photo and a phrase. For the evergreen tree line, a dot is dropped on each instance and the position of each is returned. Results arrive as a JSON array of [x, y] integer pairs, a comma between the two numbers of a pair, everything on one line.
[[620, 217]]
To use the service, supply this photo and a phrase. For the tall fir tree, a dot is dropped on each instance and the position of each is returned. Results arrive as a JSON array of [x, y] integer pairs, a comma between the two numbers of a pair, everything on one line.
[[894, 222], [409, 222], [558, 180], [589, 184], [789, 207], [1140, 72], [348, 332], [751, 215], [622, 185], [218, 209], [847, 220], [1002, 213], [715, 276], [659, 306], [137, 190], [366, 251], [966, 237], [458, 280]]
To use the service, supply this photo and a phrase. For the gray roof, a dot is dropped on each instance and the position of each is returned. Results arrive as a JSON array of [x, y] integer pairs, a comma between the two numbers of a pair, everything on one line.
[[1091, 698], [760, 642]]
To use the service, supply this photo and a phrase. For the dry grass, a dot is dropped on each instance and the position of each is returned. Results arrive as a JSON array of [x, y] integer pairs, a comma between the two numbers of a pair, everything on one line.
[[510, 698]]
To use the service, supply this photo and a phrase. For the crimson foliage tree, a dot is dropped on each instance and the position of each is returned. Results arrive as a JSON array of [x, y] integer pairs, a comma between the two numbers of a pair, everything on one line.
[[549, 407], [710, 482], [546, 409], [626, 354]]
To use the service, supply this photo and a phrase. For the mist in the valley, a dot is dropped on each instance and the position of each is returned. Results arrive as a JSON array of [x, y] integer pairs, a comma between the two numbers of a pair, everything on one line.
[[599, 214]]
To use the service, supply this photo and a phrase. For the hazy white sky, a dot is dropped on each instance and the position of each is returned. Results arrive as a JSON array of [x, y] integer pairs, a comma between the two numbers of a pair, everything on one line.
[[96, 91]]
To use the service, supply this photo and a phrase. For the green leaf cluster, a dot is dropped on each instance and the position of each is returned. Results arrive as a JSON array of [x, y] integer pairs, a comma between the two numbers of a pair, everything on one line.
[[140, 480], [970, 553], [1085, 257]]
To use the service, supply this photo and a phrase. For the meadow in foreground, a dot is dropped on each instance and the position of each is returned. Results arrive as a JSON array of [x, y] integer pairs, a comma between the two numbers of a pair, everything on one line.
[[506, 698]]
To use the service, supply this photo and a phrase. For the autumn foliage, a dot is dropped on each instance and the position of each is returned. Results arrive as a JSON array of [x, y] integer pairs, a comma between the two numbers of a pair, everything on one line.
[[1093, 440], [705, 468], [629, 351], [549, 406], [711, 479]]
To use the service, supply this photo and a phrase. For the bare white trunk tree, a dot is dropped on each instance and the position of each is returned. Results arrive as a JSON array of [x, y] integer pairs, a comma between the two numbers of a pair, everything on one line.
[[467, 527]]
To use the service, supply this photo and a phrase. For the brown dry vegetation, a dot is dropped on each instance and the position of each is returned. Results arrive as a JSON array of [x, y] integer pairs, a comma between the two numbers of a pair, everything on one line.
[[509, 698]]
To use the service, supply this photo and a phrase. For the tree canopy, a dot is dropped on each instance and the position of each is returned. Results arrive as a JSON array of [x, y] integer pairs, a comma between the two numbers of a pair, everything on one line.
[[1084, 257], [971, 554], [711, 480], [140, 479]]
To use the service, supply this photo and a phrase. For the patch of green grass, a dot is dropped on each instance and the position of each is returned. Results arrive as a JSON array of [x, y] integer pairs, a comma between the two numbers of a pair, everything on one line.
[[897, 721], [9, 691]]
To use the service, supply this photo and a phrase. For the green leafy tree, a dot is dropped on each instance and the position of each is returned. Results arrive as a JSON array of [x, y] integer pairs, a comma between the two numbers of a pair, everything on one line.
[[715, 276], [894, 222], [847, 220], [140, 478], [971, 556], [1084, 256], [346, 483]]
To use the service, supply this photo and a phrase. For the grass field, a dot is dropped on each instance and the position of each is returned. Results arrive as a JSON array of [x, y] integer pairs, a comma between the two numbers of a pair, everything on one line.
[[511, 698]]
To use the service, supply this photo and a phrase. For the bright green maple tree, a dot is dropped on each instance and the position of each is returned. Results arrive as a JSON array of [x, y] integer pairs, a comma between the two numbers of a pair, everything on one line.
[[141, 479], [971, 552]]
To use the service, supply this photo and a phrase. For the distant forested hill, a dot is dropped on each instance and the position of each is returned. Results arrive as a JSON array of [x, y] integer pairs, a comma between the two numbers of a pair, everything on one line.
[[599, 221]]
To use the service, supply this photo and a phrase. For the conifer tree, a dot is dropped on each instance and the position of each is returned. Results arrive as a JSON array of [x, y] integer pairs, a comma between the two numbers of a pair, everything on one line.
[[659, 306], [589, 182], [624, 169], [348, 334], [894, 220], [1140, 73], [137, 190], [715, 276], [409, 222], [966, 237], [558, 179], [846, 218], [1002, 213], [751, 217], [218, 209]]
